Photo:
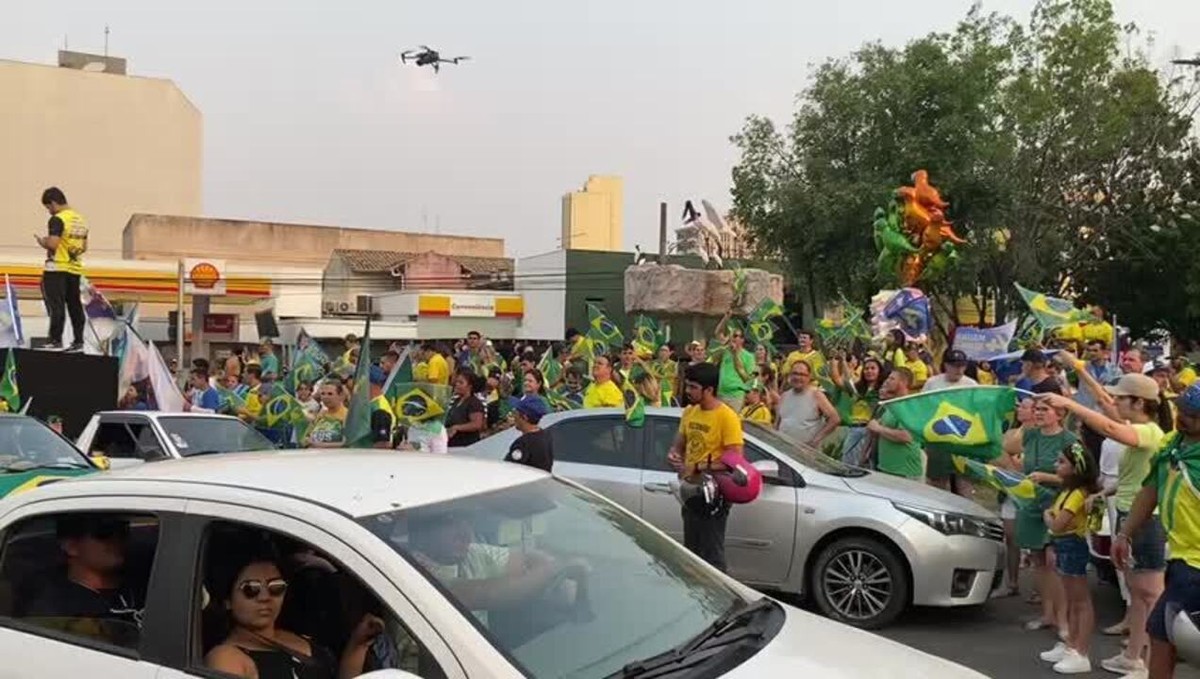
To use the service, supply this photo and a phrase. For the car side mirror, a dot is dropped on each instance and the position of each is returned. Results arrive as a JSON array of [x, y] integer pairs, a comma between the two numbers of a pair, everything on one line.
[[768, 468], [774, 475]]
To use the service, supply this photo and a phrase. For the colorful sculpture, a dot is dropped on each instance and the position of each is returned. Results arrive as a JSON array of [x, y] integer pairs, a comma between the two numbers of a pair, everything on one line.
[[915, 240]]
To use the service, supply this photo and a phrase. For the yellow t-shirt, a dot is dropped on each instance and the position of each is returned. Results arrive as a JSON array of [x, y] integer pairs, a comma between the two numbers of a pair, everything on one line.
[[985, 377], [421, 372], [437, 371], [759, 412], [920, 372], [814, 359], [606, 395], [1187, 376], [1178, 504], [1071, 501], [707, 433]]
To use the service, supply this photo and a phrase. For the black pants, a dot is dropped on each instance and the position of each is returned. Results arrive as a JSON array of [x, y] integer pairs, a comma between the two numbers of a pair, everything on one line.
[[704, 533], [60, 290], [1092, 441]]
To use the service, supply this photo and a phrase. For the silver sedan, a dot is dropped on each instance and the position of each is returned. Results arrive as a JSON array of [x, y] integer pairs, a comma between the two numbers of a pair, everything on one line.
[[864, 546]]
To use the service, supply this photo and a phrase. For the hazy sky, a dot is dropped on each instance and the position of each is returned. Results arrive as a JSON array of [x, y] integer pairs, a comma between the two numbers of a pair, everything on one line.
[[309, 117]]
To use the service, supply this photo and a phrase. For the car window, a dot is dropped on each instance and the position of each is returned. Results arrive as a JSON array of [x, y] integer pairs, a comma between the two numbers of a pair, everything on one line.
[[127, 440], [558, 579], [662, 433], [595, 440], [26, 443], [207, 435], [253, 578], [79, 576]]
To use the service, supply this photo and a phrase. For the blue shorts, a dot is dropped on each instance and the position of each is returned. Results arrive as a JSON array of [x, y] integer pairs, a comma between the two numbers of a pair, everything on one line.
[[1149, 546], [1071, 555], [1182, 593]]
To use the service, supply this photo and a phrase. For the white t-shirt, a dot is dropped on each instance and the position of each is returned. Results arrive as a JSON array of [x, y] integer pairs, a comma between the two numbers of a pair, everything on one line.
[[939, 381], [482, 562], [1110, 462]]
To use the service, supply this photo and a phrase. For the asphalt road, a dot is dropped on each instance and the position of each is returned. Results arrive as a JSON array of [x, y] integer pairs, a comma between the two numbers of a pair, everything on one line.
[[991, 639]]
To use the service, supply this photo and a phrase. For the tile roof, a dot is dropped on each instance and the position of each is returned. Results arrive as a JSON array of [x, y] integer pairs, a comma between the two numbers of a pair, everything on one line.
[[379, 261]]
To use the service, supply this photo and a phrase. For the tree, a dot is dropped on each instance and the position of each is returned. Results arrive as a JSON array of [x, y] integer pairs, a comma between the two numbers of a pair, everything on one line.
[[1052, 148]]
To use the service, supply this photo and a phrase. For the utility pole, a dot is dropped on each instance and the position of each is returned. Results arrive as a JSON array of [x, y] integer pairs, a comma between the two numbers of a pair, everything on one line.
[[662, 233], [106, 40]]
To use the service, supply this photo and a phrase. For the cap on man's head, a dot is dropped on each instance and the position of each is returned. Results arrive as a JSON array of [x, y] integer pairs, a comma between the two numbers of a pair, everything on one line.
[[378, 377], [955, 357], [1033, 356], [532, 409], [1189, 401], [1137, 386]]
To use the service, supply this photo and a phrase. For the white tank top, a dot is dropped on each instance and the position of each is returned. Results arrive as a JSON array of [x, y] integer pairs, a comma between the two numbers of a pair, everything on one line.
[[799, 416]]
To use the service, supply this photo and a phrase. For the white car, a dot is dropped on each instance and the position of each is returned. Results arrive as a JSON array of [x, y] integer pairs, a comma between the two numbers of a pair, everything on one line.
[[130, 437], [476, 569]]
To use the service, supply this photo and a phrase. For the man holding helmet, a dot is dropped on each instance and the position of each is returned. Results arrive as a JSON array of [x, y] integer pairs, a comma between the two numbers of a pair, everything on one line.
[[1173, 486]]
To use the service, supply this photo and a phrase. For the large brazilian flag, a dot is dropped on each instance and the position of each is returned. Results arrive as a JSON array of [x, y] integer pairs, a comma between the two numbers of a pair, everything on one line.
[[966, 421]]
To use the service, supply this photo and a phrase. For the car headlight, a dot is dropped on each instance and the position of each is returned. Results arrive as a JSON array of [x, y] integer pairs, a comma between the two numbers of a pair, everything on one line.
[[948, 523]]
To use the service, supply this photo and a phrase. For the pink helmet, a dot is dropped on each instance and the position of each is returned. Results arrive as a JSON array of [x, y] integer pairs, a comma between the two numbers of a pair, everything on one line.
[[742, 482]]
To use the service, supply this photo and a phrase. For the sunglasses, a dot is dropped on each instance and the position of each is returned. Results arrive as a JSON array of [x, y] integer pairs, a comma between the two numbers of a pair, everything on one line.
[[252, 588]]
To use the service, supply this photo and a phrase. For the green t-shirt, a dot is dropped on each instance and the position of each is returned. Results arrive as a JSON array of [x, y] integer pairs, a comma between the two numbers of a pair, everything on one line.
[[1134, 465], [732, 383], [899, 459]]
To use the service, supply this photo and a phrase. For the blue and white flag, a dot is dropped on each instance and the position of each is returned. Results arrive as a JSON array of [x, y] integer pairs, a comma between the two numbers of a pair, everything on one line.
[[908, 309], [984, 344]]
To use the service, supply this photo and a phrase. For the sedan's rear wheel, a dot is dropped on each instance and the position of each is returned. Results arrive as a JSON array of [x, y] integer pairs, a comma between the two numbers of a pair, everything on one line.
[[860, 582]]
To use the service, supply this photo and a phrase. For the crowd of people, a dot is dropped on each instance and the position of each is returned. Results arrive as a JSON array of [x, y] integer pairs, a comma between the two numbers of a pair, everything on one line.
[[1107, 436]]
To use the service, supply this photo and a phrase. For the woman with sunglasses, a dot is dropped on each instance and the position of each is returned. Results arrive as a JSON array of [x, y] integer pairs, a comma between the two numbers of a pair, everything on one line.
[[256, 648]]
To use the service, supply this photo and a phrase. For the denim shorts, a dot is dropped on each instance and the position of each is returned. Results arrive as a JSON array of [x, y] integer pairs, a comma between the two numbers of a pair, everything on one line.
[[1149, 546], [1182, 593], [1071, 555]]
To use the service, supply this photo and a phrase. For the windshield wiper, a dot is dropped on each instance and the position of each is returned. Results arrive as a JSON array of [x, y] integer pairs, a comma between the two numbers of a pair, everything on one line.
[[712, 637], [26, 465]]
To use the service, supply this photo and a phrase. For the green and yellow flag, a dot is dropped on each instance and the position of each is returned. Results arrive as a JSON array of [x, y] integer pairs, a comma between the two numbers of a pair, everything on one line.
[[1052, 312], [550, 367], [635, 405], [603, 331], [420, 402], [10, 394], [1024, 493], [645, 336], [966, 421], [280, 409]]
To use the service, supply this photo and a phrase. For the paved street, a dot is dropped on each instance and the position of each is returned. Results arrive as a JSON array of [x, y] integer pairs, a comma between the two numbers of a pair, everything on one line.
[[991, 640]]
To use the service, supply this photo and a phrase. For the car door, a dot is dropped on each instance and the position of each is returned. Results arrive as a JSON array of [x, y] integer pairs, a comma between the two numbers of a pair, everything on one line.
[[36, 641], [603, 453], [760, 536]]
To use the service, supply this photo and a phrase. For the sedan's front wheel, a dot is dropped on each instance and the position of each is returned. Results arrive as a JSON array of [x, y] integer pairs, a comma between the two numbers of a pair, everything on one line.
[[859, 581]]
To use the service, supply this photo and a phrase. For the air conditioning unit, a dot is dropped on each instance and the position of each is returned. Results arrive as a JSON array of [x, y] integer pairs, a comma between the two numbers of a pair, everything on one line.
[[333, 307], [362, 304]]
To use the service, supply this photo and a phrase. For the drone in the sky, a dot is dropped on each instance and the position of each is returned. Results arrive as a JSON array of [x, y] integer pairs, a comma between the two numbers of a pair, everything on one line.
[[427, 56]]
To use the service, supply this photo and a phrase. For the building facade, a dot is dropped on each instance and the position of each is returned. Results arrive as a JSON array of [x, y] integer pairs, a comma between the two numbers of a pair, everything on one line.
[[593, 217], [115, 144]]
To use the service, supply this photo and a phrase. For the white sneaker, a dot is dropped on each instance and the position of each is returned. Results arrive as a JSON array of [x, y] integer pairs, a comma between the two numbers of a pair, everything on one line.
[[1073, 662], [1138, 674], [1055, 654], [1121, 664]]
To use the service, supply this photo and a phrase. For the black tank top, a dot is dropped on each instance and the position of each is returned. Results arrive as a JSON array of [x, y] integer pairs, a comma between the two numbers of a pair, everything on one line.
[[276, 664]]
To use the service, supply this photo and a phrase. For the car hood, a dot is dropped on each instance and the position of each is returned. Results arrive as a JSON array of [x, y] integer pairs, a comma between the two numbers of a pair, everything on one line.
[[914, 493], [811, 646]]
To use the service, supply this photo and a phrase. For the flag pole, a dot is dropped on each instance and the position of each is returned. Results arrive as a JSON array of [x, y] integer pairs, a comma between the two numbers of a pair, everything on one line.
[[179, 326]]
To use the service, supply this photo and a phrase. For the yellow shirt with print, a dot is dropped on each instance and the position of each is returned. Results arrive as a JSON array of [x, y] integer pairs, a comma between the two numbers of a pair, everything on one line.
[[707, 433], [758, 412], [437, 370], [1187, 376], [1071, 501], [606, 395], [814, 359], [1178, 502]]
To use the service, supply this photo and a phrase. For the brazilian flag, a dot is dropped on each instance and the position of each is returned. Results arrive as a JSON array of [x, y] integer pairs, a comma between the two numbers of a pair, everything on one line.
[[1025, 493], [558, 401], [635, 405], [10, 394], [550, 367], [766, 310], [281, 409], [420, 402], [230, 401], [645, 336], [1052, 312], [602, 330], [966, 421]]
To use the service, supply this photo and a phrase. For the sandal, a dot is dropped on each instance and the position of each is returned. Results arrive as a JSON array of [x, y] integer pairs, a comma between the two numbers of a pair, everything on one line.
[[1033, 598]]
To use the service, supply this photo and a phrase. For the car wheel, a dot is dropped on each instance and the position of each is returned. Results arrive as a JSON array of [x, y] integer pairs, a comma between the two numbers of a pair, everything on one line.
[[860, 582]]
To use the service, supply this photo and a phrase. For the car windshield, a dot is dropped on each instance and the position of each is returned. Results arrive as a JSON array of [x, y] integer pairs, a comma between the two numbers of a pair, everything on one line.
[[27, 443], [801, 452], [564, 583], [208, 435]]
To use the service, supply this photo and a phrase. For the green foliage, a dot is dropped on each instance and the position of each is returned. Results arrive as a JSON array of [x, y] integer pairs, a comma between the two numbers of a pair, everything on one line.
[[1056, 148]]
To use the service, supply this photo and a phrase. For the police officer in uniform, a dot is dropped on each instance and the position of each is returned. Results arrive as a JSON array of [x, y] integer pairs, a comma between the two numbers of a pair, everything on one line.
[[64, 243]]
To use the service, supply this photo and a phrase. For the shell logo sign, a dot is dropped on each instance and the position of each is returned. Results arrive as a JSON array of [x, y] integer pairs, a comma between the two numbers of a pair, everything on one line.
[[204, 277]]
